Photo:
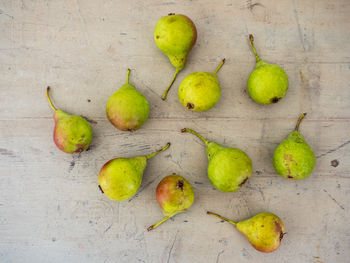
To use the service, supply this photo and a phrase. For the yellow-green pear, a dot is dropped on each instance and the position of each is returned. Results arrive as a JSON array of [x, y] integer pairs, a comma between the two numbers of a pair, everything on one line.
[[120, 178], [175, 35], [268, 83], [200, 91], [264, 231], [72, 133], [127, 109], [294, 158], [228, 168]]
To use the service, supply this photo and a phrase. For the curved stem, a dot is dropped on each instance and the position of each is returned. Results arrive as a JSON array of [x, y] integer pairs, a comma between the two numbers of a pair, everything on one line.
[[160, 222], [251, 39], [172, 81], [206, 142], [299, 121], [220, 65], [127, 76], [159, 151], [49, 99], [223, 218]]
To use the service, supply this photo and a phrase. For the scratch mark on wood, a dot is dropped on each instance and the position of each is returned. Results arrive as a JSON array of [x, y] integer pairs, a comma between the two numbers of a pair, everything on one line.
[[71, 166], [172, 246], [3, 13], [298, 25], [334, 200], [333, 150], [6, 152], [218, 256], [89, 120], [258, 189], [108, 228], [82, 20], [250, 5]]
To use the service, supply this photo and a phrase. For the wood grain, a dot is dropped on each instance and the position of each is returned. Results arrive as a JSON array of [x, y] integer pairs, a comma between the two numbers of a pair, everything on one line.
[[51, 209]]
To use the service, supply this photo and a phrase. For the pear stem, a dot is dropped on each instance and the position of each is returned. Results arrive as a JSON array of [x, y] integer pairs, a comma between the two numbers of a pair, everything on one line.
[[49, 99], [160, 222], [127, 76], [251, 39], [171, 83], [220, 65], [206, 142], [159, 151], [223, 218], [299, 121]]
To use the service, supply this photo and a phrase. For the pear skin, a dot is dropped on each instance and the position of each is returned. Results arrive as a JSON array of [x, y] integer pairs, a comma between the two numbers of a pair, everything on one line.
[[294, 158], [228, 168], [127, 109], [175, 36], [268, 83], [200, 91], [120, 178], [174, 195], [264, 231], [72, 133]]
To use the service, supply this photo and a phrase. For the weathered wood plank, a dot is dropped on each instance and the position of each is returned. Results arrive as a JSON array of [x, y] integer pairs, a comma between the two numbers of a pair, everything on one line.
[[50, 207]]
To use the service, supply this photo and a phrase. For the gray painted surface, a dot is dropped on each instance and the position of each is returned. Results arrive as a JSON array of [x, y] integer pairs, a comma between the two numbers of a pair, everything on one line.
[[50, 207]]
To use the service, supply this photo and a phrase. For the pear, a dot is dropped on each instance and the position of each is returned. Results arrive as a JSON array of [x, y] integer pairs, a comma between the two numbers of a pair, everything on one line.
[[228, 168], [174, 195], [294, 158], [175, 35], [264, 231], [72, 133], [268, 83], [120, 178], [200, 91], [127, 109]]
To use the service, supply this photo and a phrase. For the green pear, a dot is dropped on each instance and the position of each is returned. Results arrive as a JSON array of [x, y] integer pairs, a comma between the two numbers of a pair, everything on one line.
[[127, 109], [175, 35], [200, 91], [268, 83], [72, 133], [228, 168], [294, 158], [120, 178], [174, 195], [264, 231]]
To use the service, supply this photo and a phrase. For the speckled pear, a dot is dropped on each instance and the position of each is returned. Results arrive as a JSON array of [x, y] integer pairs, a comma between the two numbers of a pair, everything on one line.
[[127, 109], [72, 133], [294, 158], [120, 178], [200, 91], [264, 231], [268, 83], [175, 35], [228, 168], [174, 195]]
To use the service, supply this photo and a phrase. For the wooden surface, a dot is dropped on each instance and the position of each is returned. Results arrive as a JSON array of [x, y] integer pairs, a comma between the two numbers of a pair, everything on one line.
[[50, 207]]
